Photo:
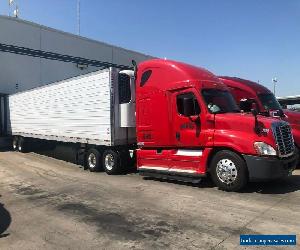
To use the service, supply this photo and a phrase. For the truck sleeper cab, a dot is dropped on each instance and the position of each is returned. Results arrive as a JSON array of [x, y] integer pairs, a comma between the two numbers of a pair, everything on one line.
[[246, 92], [189, 126]]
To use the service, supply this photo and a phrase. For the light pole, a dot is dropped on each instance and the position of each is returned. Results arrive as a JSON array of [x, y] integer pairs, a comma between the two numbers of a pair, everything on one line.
[[10, 2], [16, 10], [274, 80], [78, 17]]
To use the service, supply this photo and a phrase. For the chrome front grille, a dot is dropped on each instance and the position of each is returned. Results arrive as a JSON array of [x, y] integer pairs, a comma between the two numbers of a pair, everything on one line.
[[284, 138]]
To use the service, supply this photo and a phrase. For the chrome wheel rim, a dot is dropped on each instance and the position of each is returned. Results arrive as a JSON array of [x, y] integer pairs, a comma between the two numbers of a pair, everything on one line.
[[92, 160], [109, 162], [226, 171]]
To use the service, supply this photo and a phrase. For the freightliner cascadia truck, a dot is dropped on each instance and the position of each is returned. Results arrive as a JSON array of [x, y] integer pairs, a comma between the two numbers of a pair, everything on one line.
[[248, 92], [180, 120]]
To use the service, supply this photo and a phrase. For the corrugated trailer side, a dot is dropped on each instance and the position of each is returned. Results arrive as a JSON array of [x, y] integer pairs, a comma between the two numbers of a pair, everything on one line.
[[94, 113], [73, 110]]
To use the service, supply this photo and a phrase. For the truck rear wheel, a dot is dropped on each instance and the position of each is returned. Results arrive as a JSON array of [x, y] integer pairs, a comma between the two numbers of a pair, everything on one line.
[[112, 162], [228, 171], [15, 143], [93, 160]]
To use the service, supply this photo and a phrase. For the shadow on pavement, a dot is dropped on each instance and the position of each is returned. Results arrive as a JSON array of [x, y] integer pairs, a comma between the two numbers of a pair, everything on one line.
[[204, 183], [287, 185], [5, 221], [65, 152]]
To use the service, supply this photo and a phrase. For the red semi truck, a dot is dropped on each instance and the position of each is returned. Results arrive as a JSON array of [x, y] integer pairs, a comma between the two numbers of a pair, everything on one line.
[[187, 125], [247, 92]]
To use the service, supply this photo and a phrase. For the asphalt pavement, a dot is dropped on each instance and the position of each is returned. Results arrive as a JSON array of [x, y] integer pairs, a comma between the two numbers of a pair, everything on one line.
[[47, 203]]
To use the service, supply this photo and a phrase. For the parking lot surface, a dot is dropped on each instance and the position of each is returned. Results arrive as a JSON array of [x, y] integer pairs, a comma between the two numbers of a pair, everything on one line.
[[47, 203]]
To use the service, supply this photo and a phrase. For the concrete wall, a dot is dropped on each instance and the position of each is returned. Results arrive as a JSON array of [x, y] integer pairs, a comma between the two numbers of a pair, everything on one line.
[[20, 73]]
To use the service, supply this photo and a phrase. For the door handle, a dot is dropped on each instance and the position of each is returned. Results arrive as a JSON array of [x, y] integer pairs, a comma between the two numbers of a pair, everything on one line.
[[178, 136]]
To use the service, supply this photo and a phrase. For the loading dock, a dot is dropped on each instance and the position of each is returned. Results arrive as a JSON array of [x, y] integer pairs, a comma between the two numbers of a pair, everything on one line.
[[288, 101]]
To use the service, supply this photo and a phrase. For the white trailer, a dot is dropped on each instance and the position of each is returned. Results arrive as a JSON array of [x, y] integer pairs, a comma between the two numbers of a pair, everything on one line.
[[95, 111]]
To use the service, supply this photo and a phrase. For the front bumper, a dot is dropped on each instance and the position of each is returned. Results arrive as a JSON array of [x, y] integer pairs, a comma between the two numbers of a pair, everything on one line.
[[269, 168]]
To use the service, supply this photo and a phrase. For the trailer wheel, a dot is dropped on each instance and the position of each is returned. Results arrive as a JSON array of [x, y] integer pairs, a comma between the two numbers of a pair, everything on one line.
[[112, 162], [15, 143], [93, 160], [228, 171]]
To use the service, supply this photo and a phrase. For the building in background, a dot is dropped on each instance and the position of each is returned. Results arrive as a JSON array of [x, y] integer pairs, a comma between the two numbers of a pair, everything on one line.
[[19, 72], [290, 102]]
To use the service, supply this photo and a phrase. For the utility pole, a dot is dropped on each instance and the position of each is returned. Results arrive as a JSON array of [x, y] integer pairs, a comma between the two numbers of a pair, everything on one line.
[[274, 80], [16, 12], [12, 3], [78, 17]]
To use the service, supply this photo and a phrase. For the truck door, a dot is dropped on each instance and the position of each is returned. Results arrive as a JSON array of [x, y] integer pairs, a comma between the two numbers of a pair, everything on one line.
[[186, 157], [187, 127]]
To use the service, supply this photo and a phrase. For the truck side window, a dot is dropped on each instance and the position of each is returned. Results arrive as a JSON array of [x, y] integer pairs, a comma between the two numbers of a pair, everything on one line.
[[182, 101], [124, 88], [145, 77]]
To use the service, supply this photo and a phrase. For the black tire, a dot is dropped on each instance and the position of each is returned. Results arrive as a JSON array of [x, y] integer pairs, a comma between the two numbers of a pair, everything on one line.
[[21, 145], [298, 163], [93, 161], [15, 143], [237, 177], [112, 162]]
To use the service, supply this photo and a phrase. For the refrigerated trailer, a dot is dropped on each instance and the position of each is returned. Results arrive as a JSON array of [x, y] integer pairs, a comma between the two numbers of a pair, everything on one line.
[[95, 110]]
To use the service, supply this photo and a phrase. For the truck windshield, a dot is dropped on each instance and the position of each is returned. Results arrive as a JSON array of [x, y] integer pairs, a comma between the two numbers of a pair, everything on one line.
[[219, 101], [269, 101]]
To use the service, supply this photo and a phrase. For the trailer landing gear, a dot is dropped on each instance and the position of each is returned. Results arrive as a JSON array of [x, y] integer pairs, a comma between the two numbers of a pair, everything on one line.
[[18, 144], [21, 145], [15, 143]]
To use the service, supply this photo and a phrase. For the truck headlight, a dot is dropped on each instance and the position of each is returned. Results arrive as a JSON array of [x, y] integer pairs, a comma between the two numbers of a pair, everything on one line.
[[264, 149]]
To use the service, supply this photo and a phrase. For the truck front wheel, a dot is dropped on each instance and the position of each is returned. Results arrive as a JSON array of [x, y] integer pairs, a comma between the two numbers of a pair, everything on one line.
[[112, 162], [228, 171], [93, 160]]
